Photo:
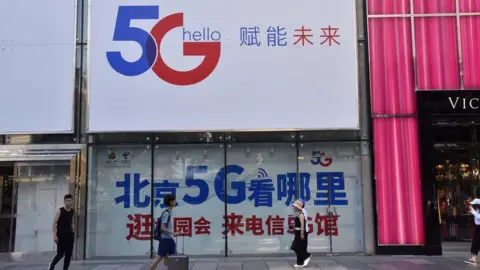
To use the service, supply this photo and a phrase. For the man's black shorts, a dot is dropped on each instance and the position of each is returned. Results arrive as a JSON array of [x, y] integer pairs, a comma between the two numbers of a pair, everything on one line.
[[65, 244]]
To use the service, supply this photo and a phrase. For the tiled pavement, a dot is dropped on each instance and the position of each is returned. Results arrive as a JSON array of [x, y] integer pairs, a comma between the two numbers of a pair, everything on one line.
[[446, 262]]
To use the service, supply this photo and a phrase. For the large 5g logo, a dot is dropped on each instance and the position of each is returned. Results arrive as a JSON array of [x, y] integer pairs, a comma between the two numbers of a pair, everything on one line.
[[150, 43]]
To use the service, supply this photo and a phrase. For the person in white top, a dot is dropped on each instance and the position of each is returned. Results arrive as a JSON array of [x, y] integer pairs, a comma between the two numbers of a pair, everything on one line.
[[475, 211], [307, 231], [304, 211], [300, 242]]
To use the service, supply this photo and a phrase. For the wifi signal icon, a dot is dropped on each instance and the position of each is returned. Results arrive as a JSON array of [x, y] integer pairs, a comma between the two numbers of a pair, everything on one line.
[[262, 174]]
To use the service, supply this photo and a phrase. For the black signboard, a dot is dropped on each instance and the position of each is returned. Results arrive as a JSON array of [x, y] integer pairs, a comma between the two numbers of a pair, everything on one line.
[[448, 102]]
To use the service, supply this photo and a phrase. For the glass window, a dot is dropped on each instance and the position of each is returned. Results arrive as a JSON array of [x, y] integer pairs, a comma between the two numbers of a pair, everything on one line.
[[119, 211], [330, 183], [30, 194], [456, 168], [261, 186], [192, 172], [262, 180], [38, 191]]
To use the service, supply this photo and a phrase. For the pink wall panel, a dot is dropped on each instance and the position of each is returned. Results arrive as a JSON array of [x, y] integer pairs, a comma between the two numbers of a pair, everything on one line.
[[392, 80], [470, 39], [397, 172], [391, 66], [469, 6], [388, 7], [433, 6], [392, 83], [437, 53]]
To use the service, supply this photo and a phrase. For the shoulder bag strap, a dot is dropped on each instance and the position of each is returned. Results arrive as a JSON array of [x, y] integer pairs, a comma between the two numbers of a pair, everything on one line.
[[169, 215], [160, 218], [159, 223]]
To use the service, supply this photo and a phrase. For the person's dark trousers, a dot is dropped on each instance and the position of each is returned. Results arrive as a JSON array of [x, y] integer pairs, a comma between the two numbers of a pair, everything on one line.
[[64, 248], [307, 254], [476, 241], [300, 248]]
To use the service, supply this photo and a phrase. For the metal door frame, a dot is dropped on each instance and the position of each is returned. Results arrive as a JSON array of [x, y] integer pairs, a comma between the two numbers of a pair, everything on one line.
[[77, 155]]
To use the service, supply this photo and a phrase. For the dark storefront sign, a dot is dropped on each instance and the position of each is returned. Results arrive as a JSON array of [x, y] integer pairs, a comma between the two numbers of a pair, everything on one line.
[[466, 104], [450, 102], [434, 108]]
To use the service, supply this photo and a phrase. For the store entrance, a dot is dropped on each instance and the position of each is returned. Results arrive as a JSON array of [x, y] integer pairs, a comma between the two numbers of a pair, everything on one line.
[[30, 194], [457, 162], [6, 206], [33, 182], [449, 142]]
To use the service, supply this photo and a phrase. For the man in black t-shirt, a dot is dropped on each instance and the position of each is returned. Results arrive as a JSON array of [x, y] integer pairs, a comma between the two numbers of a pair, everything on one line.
[[63, 232]]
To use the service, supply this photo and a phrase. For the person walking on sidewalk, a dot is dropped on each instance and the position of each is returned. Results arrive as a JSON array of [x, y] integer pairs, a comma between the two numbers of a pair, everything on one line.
[[63, 233], [166, 244], [300, 241], [475, 211], [307, 231]]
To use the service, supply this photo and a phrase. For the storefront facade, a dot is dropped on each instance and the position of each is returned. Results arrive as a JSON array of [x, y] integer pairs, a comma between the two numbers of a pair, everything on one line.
[[234, 189], [448, 123], [263, 176], [420, 46], [235, 170]]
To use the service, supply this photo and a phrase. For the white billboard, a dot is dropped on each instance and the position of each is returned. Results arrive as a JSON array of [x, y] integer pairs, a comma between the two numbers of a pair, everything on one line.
[[37, 72], [185, 65]]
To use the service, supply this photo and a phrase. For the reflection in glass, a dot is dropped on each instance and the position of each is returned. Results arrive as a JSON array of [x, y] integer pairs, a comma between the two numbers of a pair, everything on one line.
[[119, 213], [31, 192], [190, 172], [456, 168], [262, 181], [331, 175], [7, 231], [261, 186]]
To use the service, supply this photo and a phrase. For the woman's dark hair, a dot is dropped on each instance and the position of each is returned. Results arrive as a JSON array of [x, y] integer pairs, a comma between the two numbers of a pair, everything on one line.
[[68, 196], [168, 199]]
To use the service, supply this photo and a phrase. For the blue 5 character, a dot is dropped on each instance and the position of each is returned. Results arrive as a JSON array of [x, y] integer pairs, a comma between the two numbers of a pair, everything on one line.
[[190, 181]]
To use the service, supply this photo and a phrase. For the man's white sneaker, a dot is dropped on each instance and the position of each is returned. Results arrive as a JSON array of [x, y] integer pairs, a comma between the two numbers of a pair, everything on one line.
[[471, 262], [297, 266], [307, 260]]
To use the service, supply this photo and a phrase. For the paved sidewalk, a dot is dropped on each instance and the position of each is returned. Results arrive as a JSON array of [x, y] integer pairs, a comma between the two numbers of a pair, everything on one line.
[[452, 261]]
